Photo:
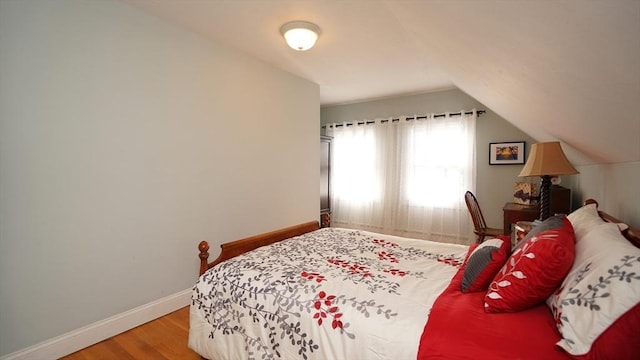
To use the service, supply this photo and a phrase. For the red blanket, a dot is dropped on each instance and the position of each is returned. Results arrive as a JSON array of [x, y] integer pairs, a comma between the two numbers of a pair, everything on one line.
[[459, 328]]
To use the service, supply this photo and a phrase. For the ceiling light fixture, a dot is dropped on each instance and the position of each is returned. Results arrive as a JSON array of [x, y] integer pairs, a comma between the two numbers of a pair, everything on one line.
[[300, 35]]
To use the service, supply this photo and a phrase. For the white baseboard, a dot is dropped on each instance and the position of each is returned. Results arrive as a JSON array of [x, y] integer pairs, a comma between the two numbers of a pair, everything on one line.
[[93, 333]]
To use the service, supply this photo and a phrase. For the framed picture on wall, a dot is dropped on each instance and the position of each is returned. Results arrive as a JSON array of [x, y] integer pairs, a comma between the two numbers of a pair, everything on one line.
[[506, 153]]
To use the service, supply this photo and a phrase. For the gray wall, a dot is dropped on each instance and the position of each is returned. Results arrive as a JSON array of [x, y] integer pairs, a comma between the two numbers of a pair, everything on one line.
[[124, 141], [615, 186], [494, 183]]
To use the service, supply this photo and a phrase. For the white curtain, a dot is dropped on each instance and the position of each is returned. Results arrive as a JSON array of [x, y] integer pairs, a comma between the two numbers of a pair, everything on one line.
[[405, 177]]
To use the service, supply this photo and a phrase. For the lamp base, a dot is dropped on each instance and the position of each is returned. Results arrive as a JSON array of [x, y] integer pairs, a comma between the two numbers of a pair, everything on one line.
[[545, 197]]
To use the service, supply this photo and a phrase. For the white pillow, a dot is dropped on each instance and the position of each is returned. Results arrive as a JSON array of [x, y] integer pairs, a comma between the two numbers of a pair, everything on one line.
[[585, 219], [602, 285]]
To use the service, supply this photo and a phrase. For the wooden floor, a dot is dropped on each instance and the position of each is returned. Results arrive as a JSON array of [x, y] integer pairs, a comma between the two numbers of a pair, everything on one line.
[[163, 338]]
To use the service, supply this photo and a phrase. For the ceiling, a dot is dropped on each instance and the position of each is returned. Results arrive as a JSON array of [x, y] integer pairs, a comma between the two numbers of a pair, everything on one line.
[[565, 70]]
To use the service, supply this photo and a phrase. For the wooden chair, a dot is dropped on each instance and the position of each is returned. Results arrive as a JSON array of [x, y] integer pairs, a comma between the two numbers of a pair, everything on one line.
[[479, 225]]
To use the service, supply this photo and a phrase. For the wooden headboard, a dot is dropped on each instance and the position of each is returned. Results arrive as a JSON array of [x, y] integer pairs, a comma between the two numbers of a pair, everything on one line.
[[235, 248], [632, 234]]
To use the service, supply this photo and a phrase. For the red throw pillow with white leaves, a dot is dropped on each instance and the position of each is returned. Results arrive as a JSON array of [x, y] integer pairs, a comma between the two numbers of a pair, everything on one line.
[[535, 270]]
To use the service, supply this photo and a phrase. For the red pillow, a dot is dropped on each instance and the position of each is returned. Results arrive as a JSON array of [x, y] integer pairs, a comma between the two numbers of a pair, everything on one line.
[[483, 263], [472, 247], [615, 342], [535, 270]]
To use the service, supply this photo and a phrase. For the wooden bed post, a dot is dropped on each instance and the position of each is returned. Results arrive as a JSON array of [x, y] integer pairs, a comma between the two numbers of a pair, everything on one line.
[[204, 256], [235, 248]]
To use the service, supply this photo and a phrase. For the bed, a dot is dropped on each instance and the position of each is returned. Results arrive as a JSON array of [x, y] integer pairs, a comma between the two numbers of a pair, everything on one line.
[[308, 293]]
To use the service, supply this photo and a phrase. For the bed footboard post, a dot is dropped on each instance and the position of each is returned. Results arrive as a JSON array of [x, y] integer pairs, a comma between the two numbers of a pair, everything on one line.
[[204, 256]]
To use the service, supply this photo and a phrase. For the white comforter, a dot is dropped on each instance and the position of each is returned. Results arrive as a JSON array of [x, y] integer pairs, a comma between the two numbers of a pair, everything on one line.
[[329, 294]]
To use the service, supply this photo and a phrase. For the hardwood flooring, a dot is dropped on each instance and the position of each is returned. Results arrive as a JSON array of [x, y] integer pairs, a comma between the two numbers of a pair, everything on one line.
[[163, 338]]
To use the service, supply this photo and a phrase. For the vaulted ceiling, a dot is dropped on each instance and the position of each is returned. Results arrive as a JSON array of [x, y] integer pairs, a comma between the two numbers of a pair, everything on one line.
[[565, 70]]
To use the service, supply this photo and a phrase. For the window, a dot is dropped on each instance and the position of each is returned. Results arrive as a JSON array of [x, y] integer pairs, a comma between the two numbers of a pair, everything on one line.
[[406, 177], [436, 159], [355, 177]]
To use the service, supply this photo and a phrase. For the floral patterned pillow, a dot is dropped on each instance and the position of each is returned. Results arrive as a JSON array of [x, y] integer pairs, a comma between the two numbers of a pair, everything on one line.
[[535, 270], [602, 286]]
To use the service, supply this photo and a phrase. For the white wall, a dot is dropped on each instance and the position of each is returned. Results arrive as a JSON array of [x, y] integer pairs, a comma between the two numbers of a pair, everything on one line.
[[124, 141], [614, 186], [494, 183]]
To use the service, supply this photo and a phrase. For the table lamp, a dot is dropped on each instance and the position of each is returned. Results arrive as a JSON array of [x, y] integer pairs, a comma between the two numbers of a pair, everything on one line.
[[546, 160]]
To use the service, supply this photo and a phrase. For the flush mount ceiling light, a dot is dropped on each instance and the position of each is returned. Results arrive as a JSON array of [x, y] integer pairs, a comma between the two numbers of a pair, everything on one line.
[[300, 35]]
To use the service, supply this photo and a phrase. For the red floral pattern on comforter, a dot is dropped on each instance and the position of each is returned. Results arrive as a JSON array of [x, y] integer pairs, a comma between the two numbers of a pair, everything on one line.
[[332, 293]]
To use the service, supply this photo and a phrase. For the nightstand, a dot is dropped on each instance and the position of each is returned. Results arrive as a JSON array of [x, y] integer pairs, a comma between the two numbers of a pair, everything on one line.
[[513, 213], [560, 204], [520, 230]]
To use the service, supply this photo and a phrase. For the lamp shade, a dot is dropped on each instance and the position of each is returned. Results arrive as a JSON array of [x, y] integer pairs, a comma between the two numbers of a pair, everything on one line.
[[300, 35], [547, 159]]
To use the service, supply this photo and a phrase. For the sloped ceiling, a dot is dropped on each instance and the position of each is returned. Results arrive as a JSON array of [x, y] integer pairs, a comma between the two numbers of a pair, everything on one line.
[[562, 70], [558, 70]]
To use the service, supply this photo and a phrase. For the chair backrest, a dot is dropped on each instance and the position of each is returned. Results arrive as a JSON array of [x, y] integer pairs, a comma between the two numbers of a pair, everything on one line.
[[474, 210]]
